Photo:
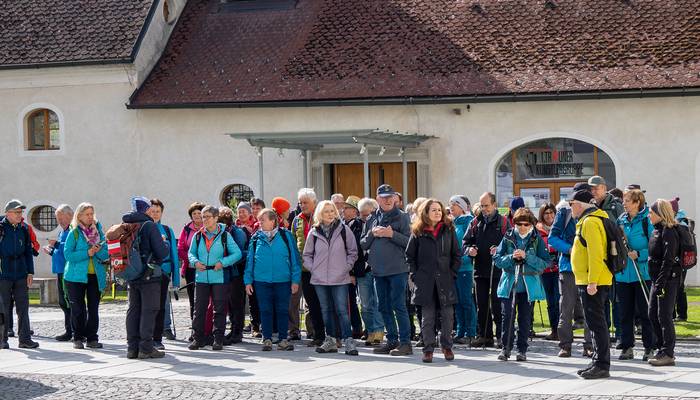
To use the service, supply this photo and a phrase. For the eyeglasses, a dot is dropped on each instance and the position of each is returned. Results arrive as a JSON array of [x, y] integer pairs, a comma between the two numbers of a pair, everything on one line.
[[548, 212], [207, 216], [523, 224]]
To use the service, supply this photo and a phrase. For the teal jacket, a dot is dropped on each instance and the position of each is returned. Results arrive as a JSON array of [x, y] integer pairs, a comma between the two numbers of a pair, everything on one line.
[[77, 260], [535, 263], [638, 241], [199, 253], [268, 261], [461, 225], [171, 263]]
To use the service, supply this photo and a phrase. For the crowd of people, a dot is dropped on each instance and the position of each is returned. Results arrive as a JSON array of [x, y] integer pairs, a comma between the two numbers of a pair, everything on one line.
[[366, 268]]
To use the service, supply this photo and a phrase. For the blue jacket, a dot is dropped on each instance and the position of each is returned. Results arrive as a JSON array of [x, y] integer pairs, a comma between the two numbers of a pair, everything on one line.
[[561, 237], [58, 260], [535, 263], [16, 260], [77, 259], [637, 241], [269, 261], [461, 225], [199, 253], [172, 262]]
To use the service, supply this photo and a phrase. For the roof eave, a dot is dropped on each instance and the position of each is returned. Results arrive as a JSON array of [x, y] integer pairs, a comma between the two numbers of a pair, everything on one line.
[[74, 63]]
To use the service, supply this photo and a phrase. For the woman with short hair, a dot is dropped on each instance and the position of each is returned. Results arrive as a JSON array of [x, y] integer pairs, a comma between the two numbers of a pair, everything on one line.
[[183, 246]]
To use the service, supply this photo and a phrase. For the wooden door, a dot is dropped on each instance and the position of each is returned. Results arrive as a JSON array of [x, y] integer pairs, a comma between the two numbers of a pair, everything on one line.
[[348, 179]]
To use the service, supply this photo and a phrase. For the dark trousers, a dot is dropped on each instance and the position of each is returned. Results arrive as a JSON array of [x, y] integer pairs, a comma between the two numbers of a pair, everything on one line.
[[524, 316], [429, 322], [255, 312], [355, 318], [488, 313], [85, 320], [219, 294], [681, 310], [144, 303], [274, 303], [630, 297], [64, 304], [311, 299], [612, 314], [550, 282], [160, 316], [594, 312], [18, 291], [236, 306], [661, 315], [190, 274]]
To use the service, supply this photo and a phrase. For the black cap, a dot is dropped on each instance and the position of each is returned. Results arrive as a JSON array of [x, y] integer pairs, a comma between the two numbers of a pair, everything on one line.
[[385, 190], [583, 196], [582, 186], [634, 186]]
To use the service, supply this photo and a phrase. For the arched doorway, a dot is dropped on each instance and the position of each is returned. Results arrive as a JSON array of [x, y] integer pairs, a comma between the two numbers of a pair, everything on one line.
[[546, 170]]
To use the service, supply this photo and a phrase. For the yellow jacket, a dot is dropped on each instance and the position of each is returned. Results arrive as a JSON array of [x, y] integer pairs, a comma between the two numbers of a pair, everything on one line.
[[588, 262]]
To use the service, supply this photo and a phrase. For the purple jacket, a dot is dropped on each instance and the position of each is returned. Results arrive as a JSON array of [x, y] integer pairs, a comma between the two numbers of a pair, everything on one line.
[[330, 264]]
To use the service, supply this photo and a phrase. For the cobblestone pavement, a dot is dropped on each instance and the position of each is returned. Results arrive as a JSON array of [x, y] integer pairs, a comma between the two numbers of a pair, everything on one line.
[[35, 386]]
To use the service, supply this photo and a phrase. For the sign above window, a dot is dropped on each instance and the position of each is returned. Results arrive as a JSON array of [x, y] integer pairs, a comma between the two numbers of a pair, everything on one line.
[[557, 159]]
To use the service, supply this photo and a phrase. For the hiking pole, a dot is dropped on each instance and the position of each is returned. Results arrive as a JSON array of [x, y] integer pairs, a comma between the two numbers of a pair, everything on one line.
[[539, 305], [641, 281], [172, 312], [511, 321]]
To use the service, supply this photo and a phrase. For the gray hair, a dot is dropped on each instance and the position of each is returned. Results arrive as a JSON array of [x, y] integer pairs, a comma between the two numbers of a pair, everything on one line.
[[337, 196], [367, 202], [64, 209], [213, 210], [307, 193], [82, 207]]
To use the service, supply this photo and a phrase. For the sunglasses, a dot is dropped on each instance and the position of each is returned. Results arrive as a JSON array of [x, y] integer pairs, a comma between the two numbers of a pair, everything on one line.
[[523, 224]]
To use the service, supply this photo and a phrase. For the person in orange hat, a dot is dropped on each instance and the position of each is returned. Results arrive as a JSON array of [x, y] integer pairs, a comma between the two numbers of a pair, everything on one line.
[[281, 207]]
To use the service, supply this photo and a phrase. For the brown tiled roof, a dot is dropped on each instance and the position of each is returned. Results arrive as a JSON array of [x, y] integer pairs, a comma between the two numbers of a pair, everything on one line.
[[379, 49], [60, 32]]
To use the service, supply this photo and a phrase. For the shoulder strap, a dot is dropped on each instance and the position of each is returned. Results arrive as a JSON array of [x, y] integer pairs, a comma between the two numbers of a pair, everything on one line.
[[197, 239], [645, 227], [283, 232], [224, 241], [343, 235], [75, 236]]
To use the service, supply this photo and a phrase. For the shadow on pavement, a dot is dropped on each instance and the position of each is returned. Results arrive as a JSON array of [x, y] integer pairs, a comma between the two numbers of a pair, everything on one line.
[[23, 389]]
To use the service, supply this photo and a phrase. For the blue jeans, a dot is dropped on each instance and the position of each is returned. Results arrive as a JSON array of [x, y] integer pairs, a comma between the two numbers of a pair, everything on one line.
[[334, 301], [168, 322], [524, 317], [550, 281], [391, 297], [465, 309], [368, 300], [273, 301]]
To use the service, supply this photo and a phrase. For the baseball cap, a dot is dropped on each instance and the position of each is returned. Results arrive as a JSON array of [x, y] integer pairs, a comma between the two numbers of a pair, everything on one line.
[[14, 204], [385, 190], [596, 181]]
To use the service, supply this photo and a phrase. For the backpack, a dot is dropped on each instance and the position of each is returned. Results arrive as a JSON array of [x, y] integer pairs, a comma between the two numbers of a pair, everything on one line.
[[224, 241], [688, 247], [502, 225], [616, 244], [123, 247]]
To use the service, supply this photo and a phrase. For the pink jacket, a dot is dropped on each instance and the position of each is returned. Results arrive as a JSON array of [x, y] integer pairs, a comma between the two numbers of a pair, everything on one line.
[[183, 245], [330, 263]]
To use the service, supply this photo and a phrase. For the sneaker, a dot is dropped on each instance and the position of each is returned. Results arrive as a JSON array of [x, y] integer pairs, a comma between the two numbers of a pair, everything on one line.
[[648, 353], [403, 350], [329, 346], [218, 344], [663, 360], [168, 334], [78, 344], [595, 373], [66, 337], [627, 354], [582, 370], [521, 356], [387, 348], [587, 352], [350, 347], [427, 357], [154, 354], [158, 345], [94, 344], [195, 345], [284, 345], [564, 353], [503, 355], [267, 345], [449, 354], [132, 354], [28, 344]]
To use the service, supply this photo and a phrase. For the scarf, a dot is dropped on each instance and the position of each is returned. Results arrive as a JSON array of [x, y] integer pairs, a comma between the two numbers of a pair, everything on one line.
[[529, 231], [269, 235], [544, 227], [210, 241], [91, 234], [434, 231]]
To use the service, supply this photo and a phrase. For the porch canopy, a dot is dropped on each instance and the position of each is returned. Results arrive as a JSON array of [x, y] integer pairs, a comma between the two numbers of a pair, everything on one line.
[[306, 141]]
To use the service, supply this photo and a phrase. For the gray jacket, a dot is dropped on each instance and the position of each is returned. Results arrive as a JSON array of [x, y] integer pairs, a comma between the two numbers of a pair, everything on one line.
[[387, 256]]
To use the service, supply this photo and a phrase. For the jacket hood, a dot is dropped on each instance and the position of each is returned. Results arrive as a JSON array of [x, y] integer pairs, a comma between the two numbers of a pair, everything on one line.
[[135, 217], [462, 220], [563, 205]]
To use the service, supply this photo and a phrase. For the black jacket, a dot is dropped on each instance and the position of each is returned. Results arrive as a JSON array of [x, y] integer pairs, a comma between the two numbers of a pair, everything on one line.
[[483, 234], [360, 268], [664, 250], [434, 263], [152, 247]]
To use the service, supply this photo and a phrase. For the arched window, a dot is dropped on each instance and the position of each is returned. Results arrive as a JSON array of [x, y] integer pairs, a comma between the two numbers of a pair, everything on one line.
[[43, 218], [236, 193], [42, 130], [546, 170]]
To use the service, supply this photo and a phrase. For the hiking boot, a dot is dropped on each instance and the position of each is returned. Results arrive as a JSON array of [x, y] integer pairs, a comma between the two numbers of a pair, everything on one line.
[[552, 336], [350, 347], [564, 353], [28, 344], [449, 354], [94, 344], [619, 346], [582, 370], [66, 337], [378, 337], [404, 349], [461, 340], [284, 345], [315, 343], [386, 349], [218, 344], [195, 345], [369, 340], [663, 360], [587, 352], [294, 337], [427, 357], [648, 354], [626, 354], [158, 345], [595, 373], [78, 344], [132, 354], [329, 346], [482, 342], [521, 356], [503, 355], [168, 334], [154, 354], [267, 345]]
